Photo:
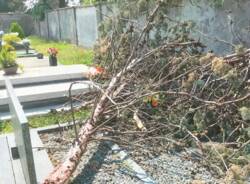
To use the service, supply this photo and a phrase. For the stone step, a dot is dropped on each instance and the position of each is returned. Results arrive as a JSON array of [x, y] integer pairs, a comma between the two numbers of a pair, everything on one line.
[[41, 110], [32, 76], [45, 92]]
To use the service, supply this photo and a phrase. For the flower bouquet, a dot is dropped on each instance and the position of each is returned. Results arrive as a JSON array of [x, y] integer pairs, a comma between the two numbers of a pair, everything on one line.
[[52, 56]]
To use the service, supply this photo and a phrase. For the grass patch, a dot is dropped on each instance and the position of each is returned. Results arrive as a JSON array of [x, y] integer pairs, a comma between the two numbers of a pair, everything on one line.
[[46, 120], [68, 53]]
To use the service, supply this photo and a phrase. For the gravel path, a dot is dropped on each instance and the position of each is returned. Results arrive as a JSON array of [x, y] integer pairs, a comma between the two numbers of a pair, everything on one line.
[[100, 165]]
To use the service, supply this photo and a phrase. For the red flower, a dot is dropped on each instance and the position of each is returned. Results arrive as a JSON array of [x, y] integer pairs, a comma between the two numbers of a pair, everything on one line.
[[154, 103], [52, 51], [99, 70]]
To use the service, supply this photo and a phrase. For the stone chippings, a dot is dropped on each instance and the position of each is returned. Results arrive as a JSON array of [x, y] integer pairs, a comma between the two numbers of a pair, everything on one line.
[[100, 165], [96, 167], [170, 168]]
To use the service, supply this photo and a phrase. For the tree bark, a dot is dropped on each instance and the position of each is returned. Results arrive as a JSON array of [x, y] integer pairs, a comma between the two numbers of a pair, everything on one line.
[[62, 173]]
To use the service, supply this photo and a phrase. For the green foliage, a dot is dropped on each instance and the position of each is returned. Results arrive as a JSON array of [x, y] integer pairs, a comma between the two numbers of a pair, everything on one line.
[[5, 127], [15, 5], [39, 10], [7, 58], [68, 53], [16, 28], [46, 120], [218, 3], [9, 39], [11, 5], [91, 2], [142, 5], [3, 6]]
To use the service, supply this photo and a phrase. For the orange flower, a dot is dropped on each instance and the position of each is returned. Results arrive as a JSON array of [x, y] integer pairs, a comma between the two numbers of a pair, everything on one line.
[[96, 71], [99, 70], [154, 102]]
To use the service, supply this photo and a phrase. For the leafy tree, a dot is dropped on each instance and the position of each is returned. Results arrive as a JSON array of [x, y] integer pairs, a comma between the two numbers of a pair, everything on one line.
[[39, 9], [15, 5], [11, 5], [62, 3], [16, 28], [4, 6]]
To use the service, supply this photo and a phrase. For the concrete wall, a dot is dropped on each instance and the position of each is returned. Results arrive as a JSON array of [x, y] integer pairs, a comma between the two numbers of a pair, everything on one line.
[[53, 25], [77, 25], [24, 20], [86, 23], [68, 25], [43, 29], [212, 21], [215, 22]]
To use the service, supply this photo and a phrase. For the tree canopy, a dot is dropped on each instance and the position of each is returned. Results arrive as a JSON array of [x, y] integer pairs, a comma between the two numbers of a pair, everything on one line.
[[11, 5]]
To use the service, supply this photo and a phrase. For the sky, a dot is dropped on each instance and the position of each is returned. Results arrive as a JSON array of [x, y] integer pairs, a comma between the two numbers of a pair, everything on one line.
[[30, 3]]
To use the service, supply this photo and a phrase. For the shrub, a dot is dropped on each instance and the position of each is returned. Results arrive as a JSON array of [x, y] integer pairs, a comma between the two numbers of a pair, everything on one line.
[[16, 28], [9, 39], [7, 58]]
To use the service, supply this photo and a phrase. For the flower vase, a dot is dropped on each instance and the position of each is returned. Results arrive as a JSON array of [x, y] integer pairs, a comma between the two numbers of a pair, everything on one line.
[[52, 60]]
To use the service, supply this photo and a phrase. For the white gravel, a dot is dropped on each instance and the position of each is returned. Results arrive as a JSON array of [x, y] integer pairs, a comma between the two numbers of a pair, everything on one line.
[[170, 168], [100, 165]]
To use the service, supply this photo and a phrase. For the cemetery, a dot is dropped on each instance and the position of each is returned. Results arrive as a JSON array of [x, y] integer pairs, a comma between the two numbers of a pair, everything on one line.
[[124, 92]]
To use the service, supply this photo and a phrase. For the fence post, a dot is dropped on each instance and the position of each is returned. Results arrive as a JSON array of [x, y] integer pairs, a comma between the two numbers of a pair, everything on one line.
[[100, 11], [47, 21], [39, 23], [76, 31], [59, 21]]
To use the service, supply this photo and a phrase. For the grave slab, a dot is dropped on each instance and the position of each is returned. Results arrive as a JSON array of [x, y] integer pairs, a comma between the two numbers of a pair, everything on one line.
[[6, 166], [45, 92], [47, 74], [11, 170]]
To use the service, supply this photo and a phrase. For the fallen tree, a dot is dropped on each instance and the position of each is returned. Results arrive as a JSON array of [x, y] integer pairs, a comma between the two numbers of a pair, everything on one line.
[[62, 173], [181, 95]]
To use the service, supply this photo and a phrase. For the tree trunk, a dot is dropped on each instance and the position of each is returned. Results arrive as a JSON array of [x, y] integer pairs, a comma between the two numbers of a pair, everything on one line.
[[62, 173]]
